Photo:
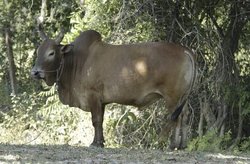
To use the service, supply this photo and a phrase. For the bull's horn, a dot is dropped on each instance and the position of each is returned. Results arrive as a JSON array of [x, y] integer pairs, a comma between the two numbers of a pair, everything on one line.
[[41, 32], [60, 36]]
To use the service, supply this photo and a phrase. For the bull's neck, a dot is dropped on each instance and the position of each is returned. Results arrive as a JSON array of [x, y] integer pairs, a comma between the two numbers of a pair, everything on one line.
[[65, 81]]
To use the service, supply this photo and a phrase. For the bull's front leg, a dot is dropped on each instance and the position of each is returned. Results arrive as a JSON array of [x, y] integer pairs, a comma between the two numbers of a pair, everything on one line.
[[97, 113]]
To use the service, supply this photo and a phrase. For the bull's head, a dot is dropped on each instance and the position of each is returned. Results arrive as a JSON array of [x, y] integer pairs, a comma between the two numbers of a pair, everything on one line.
[[49, 57]]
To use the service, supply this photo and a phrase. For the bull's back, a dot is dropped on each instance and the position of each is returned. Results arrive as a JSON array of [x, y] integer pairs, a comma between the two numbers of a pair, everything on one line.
[[148, 61]]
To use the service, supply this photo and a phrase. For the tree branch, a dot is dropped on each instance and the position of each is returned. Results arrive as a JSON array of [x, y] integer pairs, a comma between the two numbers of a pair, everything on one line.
[[219, 29], [42, 16]]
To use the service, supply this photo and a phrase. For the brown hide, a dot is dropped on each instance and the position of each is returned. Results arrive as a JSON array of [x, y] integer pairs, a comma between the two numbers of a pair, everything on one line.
[[94, 73]]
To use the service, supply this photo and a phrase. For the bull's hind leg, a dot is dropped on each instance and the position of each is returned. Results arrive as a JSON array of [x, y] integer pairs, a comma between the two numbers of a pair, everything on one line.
[[172, 118], [167, 127], [179, 136]]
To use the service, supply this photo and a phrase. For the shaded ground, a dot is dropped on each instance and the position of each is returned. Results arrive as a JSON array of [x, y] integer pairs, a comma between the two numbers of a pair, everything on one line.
[[73, 154]]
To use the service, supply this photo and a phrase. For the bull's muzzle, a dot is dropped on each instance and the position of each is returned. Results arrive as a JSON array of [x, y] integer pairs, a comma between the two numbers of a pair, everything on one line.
[[37, 74]]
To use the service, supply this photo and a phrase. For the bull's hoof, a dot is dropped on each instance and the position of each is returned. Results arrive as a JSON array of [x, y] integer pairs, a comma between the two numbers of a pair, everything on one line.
[[97, 144]]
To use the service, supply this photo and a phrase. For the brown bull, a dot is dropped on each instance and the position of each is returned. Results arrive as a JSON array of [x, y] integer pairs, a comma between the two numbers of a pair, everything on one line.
[[90, 74]]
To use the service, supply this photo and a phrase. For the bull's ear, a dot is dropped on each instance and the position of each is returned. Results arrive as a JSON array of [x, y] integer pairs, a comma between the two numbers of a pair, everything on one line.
[[66, 48]]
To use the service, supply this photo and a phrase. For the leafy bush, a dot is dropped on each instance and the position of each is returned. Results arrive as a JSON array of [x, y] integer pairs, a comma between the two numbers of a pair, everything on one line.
[[210, 142], [20, 116], [244, 146], [130, 127], [28, 119]]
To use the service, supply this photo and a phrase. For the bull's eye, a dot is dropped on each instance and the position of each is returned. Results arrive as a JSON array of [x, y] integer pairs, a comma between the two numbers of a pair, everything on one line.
[[52, 53]]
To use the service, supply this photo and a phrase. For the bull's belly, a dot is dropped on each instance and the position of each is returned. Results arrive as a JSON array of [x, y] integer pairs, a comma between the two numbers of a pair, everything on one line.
[[134, 99]]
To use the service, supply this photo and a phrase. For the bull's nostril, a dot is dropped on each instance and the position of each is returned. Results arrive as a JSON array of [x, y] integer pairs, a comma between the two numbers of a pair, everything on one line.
[[36, 73]]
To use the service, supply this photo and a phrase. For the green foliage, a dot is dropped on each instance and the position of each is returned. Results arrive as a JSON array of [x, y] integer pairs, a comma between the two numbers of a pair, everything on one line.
[[244, 146], [117, 22], [21, 116], [96, 16], [132, 128], [29, 113], [243, 60], [59, 120], [210, 142], [4, 90], [28, 119], [244, 101], [240, 95]]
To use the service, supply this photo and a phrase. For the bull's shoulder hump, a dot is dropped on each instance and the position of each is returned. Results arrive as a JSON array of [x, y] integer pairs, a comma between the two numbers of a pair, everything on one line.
[[91, 33], [86, 38]]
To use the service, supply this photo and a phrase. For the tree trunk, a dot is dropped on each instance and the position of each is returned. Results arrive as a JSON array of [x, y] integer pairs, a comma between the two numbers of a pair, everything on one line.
[[208, 113], [229, 46], [240, 127], [12, 68], [223, 125], [43, 13], [201, 120], [239, 134]]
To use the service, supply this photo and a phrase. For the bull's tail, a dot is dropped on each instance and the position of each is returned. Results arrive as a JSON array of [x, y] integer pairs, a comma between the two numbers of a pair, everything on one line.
[[178, 110]]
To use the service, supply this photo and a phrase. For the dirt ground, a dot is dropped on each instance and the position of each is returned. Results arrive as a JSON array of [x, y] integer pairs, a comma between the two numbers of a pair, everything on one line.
[[89, 155]]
